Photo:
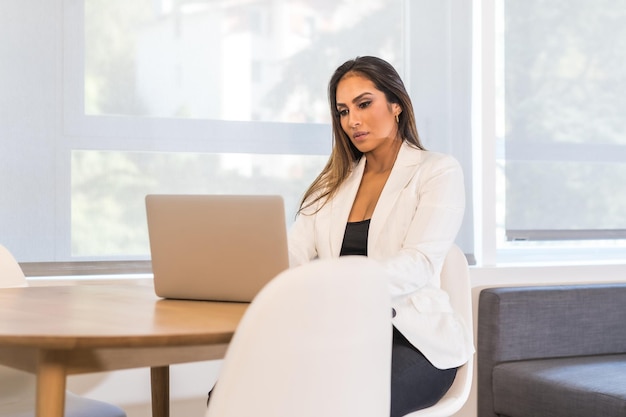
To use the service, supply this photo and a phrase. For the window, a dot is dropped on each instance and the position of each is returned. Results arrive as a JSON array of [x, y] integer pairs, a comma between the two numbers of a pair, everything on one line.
[[117, 99], [560, 129]]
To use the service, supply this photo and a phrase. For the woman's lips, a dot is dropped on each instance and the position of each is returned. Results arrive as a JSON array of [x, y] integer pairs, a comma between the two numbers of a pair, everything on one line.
[[359, 135]]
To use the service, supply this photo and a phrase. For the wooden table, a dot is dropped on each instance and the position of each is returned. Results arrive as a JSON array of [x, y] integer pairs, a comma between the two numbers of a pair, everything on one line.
[[63, 330]]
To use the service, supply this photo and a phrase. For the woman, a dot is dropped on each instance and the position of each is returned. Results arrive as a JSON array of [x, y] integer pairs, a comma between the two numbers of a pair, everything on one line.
[[384, 196]]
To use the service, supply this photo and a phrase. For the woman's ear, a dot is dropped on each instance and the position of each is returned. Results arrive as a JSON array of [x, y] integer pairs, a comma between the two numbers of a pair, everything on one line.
[[396, 109]]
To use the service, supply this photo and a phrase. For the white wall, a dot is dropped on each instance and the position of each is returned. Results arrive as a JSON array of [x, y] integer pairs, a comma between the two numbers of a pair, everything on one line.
[[30, 111]]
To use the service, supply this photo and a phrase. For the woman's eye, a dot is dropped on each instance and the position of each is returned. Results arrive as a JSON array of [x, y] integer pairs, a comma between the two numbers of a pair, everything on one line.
[[342, 113], [364, 104]]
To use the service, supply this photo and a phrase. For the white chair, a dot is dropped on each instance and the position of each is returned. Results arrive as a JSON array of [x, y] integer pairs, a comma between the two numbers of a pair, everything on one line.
[[316, 341], [11, 274], [17, 388], [456, 281]]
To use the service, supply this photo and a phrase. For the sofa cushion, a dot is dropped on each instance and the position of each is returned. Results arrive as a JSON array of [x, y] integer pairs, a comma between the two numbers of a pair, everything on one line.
[[569, 387]]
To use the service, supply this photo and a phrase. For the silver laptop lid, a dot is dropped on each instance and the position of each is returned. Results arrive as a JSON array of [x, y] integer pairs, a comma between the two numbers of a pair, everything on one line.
[[215, 247]]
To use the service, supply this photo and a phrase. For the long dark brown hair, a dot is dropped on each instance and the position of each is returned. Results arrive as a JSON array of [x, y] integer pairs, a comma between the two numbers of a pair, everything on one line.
[[344, 154]]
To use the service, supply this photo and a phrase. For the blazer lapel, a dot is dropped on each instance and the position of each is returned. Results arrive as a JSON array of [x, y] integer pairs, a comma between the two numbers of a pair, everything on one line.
[[401, 174], [341, 205]]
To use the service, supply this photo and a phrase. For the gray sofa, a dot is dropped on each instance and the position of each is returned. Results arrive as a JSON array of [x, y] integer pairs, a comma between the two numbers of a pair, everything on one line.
[[553, 351]]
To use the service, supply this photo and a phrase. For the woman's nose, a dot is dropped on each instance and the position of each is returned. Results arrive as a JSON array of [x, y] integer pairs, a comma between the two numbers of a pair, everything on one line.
[[353, 121]]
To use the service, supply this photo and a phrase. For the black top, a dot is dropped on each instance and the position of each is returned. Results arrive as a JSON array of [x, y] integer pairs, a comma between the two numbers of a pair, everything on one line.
[[355, 238]]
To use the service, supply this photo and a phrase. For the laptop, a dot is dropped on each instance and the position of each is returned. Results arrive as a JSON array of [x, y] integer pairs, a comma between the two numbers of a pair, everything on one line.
[[215, 247]]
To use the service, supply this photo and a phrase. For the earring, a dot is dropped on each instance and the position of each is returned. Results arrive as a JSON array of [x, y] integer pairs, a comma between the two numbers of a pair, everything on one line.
[[397, 118]]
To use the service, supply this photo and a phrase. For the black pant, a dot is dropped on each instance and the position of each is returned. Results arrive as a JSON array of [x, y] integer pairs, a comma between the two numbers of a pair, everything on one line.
[[415, 382]]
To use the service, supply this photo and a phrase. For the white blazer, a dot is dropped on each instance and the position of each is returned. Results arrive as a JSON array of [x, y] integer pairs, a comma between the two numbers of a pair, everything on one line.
[[413, 226]]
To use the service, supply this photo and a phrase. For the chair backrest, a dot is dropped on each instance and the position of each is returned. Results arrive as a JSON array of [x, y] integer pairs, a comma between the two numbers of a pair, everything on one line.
[[11, 274], [316, 341], [455, 280]]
